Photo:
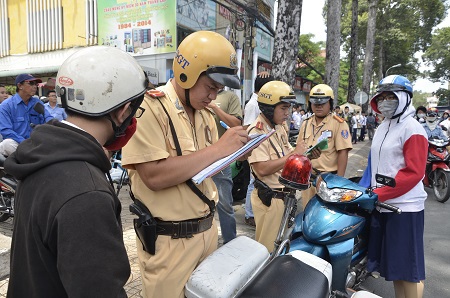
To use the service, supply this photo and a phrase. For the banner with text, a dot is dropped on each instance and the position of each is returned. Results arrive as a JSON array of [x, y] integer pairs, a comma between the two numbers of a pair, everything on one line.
[[137, 26], [196, 14]]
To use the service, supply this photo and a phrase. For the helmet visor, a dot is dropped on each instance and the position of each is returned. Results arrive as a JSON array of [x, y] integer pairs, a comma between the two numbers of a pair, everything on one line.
[[288, 99], [391, 87], [319, 100], [224, 75]]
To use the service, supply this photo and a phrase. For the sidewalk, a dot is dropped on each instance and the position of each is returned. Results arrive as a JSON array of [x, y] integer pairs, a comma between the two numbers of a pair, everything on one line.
[[355, 167]]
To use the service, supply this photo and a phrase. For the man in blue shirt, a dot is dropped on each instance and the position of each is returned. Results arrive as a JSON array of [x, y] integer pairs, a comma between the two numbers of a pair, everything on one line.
[[52, 107], [18, 115]]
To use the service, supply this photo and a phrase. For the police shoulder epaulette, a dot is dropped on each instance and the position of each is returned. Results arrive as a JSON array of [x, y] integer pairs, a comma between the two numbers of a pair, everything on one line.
[[339, 119], [259, 125], [154, 93]]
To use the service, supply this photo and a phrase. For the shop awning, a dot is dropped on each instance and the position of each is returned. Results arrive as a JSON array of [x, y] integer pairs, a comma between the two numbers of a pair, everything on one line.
[[35, 64]]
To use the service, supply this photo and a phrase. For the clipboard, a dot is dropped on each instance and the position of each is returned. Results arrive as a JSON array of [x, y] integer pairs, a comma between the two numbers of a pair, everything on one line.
[[215, 167]]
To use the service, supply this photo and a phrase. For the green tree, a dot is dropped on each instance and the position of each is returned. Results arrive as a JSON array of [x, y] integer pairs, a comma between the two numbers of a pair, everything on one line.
[[402, 29], [444, 97], [420, 99], [438, 55], [310, 52], [11, 89]]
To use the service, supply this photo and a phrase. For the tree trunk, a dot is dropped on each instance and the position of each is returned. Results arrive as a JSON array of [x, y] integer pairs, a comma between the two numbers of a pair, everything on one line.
[[370, 44], [381, 61], [353, 72], [332, 60], [285, 47]]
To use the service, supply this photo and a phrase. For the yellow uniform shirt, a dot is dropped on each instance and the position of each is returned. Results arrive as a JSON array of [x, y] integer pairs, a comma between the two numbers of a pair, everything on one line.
[[338, 139], [265, 151], [153, 141]]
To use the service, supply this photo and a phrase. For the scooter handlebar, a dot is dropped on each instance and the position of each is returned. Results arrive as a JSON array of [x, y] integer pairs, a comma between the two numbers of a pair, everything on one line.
[[389, 207]]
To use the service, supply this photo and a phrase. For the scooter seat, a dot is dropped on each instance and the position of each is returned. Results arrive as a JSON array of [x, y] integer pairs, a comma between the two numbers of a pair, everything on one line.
[[287, 277]]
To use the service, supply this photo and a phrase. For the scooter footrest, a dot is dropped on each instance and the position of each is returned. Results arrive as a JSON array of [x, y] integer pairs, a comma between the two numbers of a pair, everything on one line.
[[288, 277]]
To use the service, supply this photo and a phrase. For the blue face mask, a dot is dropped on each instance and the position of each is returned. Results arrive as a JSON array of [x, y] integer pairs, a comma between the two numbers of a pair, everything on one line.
[[387, 107]]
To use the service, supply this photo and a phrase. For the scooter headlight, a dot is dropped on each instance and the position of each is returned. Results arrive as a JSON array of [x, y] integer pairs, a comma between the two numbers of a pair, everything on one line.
[[335, 195]]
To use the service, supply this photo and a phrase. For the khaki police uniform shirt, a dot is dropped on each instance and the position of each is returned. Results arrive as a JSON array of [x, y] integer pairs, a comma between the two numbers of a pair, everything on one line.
[[339, 138], [265, 151], [153, 141]]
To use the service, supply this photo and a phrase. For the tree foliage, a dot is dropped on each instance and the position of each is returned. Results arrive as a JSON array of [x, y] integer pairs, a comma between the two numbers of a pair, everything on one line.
[[420, 99], [311, 52], [402, 29], [438, 55], [444, 96]]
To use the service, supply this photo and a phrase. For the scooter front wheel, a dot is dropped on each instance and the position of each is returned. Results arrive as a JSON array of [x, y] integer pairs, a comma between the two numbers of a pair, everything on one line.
[[441, 185]]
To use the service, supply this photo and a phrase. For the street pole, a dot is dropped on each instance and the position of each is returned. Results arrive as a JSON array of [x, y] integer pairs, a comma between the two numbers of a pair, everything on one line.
[[393, 66]]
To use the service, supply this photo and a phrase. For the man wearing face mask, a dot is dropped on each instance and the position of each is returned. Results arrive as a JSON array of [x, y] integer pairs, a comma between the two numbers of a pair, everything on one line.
[[421, 112], [432, 126], [396, 240], [67, 239]]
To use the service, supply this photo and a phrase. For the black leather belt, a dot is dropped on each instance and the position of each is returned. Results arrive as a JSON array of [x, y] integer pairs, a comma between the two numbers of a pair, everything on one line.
[[278, 193], [185, 228]]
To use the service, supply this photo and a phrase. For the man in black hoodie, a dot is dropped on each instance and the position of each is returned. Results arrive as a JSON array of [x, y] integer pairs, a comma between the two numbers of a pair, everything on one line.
[[67, 239]]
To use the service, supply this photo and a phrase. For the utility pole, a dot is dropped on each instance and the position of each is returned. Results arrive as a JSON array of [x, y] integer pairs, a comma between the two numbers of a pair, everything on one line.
[[248, 49]]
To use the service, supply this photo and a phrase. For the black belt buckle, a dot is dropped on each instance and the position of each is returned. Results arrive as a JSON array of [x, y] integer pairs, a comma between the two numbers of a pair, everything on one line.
[[183, 229]]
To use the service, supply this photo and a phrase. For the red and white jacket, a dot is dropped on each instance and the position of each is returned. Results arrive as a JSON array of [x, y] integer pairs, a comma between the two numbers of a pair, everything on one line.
[[399, 150]]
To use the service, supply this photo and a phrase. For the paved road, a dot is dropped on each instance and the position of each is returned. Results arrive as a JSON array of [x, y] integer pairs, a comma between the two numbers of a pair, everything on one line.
[[437, 241]]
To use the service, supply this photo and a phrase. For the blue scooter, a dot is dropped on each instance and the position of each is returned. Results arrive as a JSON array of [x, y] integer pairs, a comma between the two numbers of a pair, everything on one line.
[[335, 226]]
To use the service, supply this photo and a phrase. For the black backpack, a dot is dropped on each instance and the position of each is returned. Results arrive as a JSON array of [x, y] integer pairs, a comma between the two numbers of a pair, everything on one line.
[[241, 180]]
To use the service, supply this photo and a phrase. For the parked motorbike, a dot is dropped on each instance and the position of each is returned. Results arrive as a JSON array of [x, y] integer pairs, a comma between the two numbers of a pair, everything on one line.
[[437, 171], [293, 134], [119, 175], [8, 186], [244, 267], [335, 227]]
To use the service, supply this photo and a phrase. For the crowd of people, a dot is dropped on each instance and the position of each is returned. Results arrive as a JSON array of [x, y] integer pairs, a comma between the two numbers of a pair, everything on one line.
[[67, 238]]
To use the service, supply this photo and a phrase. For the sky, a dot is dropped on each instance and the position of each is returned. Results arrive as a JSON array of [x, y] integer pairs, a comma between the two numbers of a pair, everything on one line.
[[313, 22]]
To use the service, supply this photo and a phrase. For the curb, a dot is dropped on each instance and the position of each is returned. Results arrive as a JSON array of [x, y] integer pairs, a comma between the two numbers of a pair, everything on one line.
[[5, 252]]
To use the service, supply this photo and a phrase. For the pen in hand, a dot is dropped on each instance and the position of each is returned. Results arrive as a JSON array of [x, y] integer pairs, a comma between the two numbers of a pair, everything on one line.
[[224, 125]]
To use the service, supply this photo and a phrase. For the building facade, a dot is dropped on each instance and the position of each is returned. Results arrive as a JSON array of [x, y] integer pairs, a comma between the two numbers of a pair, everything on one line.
[[36, 36]]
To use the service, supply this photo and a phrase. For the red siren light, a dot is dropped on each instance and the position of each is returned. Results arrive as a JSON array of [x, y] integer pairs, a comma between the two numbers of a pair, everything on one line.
[[296, 172]]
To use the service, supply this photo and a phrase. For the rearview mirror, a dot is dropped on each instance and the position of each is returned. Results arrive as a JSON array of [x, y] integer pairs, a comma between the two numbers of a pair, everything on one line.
[[38, 107]]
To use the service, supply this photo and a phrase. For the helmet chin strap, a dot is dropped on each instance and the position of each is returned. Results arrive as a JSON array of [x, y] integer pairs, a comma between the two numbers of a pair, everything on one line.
[[268, 112], [119, 131], [187, 97]]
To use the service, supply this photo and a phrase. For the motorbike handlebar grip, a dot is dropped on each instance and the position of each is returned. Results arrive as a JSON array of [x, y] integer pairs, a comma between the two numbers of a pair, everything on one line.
[[389, 207]]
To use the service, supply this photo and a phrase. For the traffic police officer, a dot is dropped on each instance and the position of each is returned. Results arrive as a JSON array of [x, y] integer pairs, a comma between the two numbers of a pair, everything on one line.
[[175, 140], [323, 124], [267, 160]]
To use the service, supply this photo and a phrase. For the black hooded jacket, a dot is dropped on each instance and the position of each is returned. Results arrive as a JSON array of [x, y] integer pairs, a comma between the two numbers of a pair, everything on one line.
[[67, 239]]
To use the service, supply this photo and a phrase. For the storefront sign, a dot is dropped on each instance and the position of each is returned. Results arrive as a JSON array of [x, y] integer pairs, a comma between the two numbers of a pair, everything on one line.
[[196, 15], [137, 26], [306, 86], [152, 74]]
